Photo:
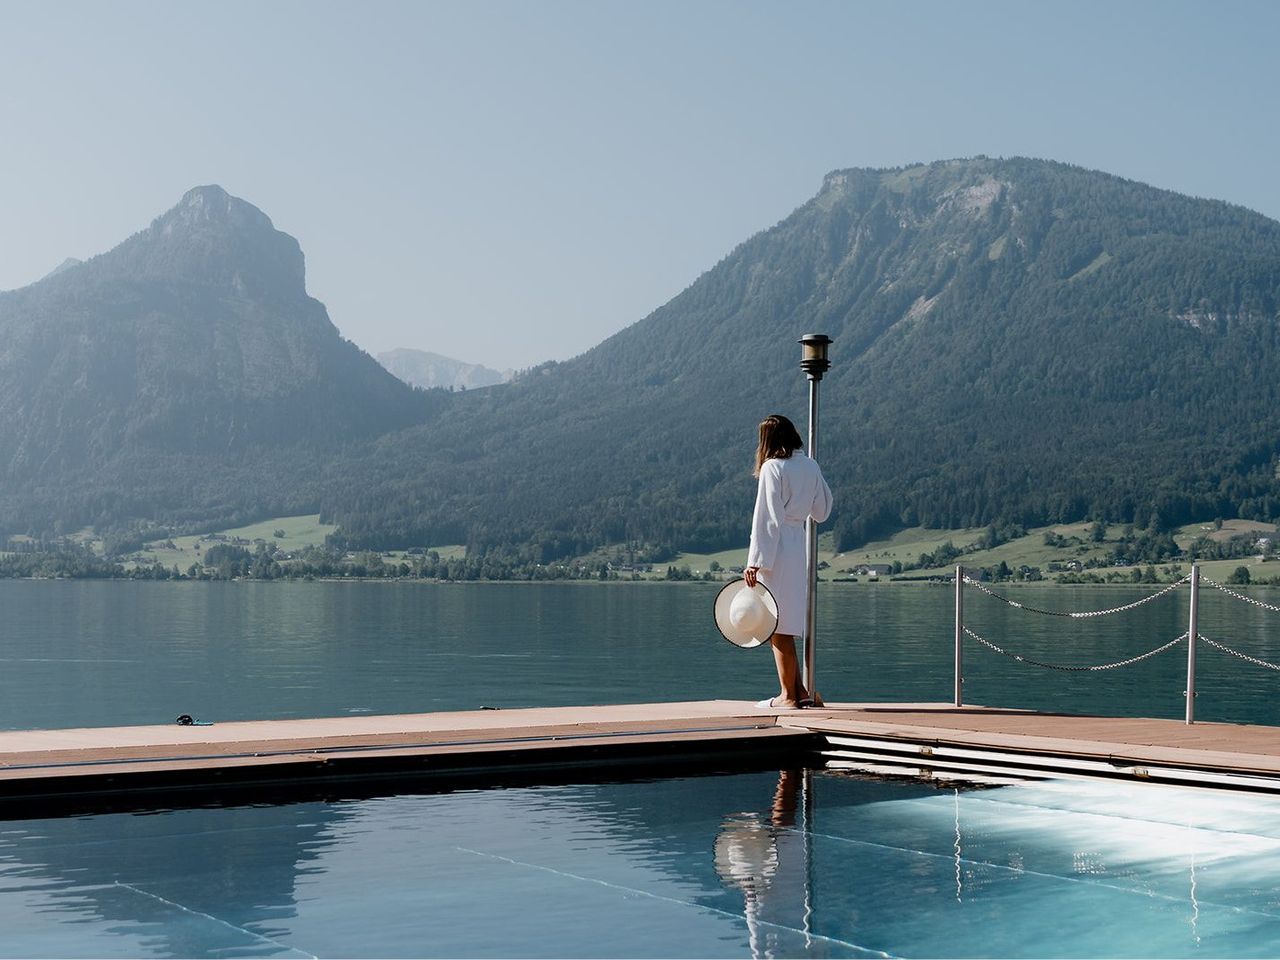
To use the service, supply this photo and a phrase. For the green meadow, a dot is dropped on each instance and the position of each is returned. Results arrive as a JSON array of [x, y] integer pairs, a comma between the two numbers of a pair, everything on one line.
[[291, 534], [295, 534], [1031, 550]]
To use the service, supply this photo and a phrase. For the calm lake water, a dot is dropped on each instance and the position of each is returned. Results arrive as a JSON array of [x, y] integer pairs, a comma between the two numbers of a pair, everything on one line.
[[104, 653]]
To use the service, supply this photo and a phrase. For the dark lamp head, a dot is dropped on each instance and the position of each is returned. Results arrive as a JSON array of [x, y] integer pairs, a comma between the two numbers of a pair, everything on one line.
[[813, 359]]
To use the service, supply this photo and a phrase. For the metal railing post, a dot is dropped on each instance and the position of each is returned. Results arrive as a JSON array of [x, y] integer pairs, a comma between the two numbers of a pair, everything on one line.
[[959, 697], [1192, 633]]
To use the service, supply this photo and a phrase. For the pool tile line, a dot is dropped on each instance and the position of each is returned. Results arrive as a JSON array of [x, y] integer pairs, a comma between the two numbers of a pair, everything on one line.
[[218, 920], [864, 951]]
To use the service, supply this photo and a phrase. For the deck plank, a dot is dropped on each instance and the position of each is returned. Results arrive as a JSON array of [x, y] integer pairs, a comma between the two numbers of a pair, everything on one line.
[[28, 757]]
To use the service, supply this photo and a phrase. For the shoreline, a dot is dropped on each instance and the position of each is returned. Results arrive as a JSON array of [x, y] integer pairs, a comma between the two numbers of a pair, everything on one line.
[[590, 582]]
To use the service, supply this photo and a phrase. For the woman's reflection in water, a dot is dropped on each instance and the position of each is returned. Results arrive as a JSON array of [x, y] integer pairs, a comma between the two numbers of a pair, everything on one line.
[[766, 860]]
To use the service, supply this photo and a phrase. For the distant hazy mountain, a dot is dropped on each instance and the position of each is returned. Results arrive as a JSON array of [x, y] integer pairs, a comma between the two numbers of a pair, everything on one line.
[[1014, 340], [419, 368], [194, 339]]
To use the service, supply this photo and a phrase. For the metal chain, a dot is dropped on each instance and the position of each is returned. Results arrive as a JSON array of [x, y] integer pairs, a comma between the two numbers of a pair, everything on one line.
[[1057, 666], [1079, 614], [1236, 653], [1240, 596]]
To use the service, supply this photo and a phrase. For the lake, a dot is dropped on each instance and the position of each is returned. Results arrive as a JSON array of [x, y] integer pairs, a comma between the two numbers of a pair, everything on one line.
[[98, 653]]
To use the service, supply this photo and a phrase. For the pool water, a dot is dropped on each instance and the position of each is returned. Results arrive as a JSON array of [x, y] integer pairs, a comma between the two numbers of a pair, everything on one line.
[[757, 863]]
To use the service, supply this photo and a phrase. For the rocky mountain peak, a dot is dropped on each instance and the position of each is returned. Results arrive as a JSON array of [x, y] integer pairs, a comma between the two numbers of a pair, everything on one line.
[[193, 336], [211, 207], [211, 237]]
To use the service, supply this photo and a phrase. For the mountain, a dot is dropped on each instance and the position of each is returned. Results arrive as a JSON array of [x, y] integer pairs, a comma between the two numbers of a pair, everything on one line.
[[419, 368], [186, 371], [1015, 340], [66, 264]]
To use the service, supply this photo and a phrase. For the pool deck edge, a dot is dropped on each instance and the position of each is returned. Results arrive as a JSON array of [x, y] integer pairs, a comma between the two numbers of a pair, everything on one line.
[[139, 758]]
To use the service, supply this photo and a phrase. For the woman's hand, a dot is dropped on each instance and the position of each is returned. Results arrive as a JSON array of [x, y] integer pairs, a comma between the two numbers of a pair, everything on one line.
[[749, 575]]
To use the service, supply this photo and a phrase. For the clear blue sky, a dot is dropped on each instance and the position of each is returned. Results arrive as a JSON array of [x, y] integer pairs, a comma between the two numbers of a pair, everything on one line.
[[513, 182]]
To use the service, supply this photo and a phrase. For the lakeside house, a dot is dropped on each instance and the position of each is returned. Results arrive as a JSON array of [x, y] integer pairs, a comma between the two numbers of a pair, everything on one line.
[[873, 570], [630, 567]]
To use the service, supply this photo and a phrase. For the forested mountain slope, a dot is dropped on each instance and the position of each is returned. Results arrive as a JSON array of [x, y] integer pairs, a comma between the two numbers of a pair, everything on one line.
[[185, 374], [1014, 340]]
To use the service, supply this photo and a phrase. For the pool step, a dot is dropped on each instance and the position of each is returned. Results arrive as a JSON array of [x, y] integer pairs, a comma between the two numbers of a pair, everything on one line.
[[929, 759]]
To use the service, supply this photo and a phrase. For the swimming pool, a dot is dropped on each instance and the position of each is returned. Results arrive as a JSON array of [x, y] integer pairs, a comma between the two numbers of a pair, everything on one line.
[[758, 862]]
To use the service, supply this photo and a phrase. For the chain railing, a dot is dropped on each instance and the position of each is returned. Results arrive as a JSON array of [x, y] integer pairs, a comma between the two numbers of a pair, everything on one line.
[[1068, 668], [1191, 635], [1075, 614], [1256, 661], [1240, 596]]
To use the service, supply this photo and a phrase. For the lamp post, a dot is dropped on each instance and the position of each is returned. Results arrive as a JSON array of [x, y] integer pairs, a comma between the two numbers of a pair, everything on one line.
[[814, 362]]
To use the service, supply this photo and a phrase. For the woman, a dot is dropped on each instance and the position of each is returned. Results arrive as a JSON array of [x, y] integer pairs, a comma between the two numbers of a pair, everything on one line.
[[791, 490]]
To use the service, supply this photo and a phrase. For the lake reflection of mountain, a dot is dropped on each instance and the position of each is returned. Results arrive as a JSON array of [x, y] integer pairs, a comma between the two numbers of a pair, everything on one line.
[[475, 872], [175, 883]]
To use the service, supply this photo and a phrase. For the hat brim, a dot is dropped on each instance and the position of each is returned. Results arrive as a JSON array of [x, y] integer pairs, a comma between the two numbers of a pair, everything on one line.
[[736, 636]]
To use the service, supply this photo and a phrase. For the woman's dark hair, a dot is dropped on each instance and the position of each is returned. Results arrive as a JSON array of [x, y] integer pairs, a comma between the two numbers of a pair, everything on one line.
[[778, 440]]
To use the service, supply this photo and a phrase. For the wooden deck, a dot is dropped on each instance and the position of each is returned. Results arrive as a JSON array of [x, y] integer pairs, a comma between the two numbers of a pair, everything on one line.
[[122, 760], [993, 740], [114, 759]]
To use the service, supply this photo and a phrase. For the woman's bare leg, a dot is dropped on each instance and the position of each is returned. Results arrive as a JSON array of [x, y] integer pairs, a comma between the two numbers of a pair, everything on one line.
[[784, 658]]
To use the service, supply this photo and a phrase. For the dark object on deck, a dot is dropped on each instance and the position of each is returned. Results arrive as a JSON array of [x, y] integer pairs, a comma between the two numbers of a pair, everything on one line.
[[185, 720]]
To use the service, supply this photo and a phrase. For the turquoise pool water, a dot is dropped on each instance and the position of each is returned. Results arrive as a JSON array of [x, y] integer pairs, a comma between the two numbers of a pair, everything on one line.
[[759, 863]]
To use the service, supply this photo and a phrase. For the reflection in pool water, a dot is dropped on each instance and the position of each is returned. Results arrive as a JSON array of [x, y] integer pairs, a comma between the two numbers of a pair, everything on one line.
[[768, 860], [765, 863]]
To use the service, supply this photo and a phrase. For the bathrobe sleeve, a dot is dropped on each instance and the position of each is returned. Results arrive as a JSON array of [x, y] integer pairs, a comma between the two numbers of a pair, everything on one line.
[[766, 522], [821, 500]]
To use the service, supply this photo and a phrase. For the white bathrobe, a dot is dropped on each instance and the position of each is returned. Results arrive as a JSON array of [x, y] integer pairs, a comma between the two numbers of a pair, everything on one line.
[[790, 492]]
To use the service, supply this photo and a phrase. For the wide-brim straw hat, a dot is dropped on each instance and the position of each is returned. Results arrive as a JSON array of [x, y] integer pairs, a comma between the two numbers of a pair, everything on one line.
[[746, 616]]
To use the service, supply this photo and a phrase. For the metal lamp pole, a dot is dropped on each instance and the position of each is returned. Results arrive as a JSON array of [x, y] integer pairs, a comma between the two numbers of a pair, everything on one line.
[[814, 362]]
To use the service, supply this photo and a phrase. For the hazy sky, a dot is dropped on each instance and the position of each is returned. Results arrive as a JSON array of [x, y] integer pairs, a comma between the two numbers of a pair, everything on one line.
[[513, 182]]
